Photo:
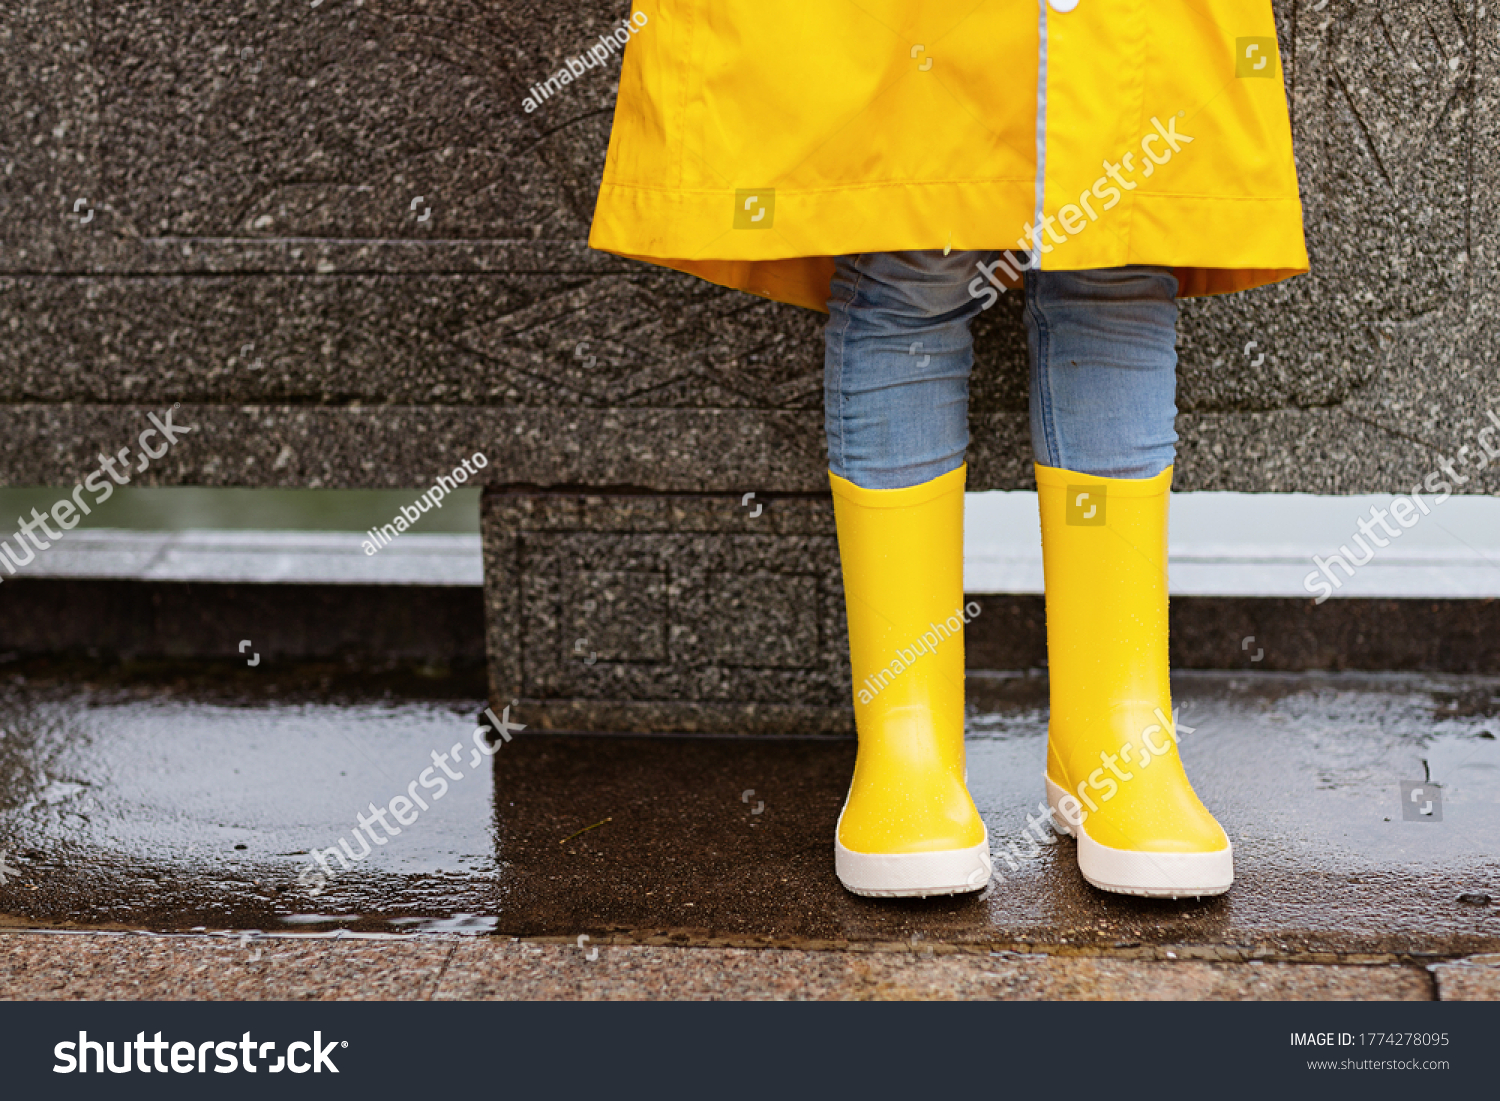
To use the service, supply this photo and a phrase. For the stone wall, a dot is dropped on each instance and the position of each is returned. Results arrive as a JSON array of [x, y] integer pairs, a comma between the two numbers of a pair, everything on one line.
[[330, 233]]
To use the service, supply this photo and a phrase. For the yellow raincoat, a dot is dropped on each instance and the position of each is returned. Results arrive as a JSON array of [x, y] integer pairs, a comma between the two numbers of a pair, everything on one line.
[[754, 140]]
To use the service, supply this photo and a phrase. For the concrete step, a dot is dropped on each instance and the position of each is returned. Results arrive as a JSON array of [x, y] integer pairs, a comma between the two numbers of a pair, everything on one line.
[[1222, 544], [282, 967]]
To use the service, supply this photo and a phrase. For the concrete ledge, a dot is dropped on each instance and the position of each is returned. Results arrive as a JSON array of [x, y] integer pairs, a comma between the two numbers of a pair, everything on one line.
[[262, 557], [111, 619], [720, 450], [1272, 634], [103, 966], [118, 619], [1267, 553], [1265, 545]]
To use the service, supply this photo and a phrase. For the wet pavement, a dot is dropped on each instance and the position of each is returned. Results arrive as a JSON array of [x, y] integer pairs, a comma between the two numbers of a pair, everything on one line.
[[105, 966], [179, 801]]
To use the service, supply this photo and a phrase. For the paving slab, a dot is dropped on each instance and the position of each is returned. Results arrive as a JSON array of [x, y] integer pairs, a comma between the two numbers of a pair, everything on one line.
[[105, 967], [102, 966], [496, 969], [1476, 979]]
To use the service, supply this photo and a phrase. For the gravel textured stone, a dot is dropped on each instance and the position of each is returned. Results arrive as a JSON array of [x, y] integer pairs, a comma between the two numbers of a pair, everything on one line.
[[98, 967], [101, 966], [292, 214], [1476, 979], [694, 614]]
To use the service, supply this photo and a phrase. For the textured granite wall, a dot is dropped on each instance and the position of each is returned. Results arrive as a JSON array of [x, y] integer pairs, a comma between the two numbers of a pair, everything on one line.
[[331, 232], [701, 613]]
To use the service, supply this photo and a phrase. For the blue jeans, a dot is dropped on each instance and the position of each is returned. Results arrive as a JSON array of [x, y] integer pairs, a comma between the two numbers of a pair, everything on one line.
[[898, 355]]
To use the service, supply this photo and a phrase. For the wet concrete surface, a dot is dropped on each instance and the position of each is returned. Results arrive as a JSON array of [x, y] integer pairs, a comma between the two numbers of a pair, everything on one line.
[[102, 966], [175, 801]]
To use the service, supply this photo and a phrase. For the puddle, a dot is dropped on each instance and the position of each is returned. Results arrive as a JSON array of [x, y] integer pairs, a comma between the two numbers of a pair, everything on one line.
[[144, 808], [467, 924]]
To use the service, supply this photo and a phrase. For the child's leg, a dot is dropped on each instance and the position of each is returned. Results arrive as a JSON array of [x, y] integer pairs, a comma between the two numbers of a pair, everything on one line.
[[1102, 405], [1103, 370], [896, 366], [896, 391]]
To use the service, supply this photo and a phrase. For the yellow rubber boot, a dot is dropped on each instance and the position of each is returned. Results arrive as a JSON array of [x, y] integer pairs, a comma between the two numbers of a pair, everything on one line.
[[908, 826], [1114, 776]]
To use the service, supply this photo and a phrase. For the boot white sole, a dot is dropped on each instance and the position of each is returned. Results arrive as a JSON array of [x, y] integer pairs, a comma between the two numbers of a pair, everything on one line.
[[1134, 872], [912, 875]]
